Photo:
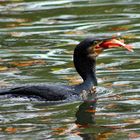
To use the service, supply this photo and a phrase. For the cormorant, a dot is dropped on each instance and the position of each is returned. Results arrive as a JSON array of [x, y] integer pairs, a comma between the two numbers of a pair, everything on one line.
[[84, 56]]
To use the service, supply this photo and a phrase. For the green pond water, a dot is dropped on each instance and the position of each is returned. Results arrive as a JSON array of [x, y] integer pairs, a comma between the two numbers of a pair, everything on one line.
[[37, 39]]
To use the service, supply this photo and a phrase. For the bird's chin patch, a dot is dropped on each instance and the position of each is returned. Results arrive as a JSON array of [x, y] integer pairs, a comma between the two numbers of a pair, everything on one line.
[[95, 50]]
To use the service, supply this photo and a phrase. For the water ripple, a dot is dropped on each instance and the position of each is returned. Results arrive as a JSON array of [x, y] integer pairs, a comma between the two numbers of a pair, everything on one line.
[[48, 31]]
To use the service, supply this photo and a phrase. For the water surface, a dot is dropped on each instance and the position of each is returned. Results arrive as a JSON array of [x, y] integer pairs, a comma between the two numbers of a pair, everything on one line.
[[37, 39]]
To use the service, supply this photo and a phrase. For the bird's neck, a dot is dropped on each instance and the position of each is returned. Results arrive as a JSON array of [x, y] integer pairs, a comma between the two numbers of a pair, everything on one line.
[[87, 84], [86, 70]]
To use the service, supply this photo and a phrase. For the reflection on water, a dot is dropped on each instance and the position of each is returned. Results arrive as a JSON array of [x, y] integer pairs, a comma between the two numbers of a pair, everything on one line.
[[37, 39], [86, 113]]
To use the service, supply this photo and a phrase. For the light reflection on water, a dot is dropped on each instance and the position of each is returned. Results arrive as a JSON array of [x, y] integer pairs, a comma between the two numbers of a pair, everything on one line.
[[48, 31]]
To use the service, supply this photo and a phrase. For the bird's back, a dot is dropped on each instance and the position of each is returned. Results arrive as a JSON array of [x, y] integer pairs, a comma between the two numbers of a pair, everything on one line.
[[49, 92]]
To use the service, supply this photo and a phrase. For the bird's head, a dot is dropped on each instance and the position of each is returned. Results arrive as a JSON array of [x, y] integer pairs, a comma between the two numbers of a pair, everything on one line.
[[87, 50]]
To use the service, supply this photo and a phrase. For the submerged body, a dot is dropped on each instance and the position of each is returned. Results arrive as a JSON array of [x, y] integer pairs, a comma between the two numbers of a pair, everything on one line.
[[49, 92], [85, 55]]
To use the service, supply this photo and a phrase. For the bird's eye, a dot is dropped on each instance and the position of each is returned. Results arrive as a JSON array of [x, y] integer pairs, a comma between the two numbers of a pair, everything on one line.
[[95, 42]]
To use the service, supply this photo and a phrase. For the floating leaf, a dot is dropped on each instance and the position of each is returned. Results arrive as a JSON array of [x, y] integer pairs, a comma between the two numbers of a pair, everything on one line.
[[16, 34], [121, 85], [73, 79], [108, 84], [134, 135], [28, 63], [134, 98], [12, 25], [111, 68], [3, 68], [129, 36], [25, 24], [11, 130], [111, 106], [59, 129], [77, 32], [120, 28], [104, 135], [132, 121]]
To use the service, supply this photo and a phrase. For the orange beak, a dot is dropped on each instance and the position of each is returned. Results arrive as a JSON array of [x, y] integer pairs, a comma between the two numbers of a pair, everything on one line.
[[114, 43]]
